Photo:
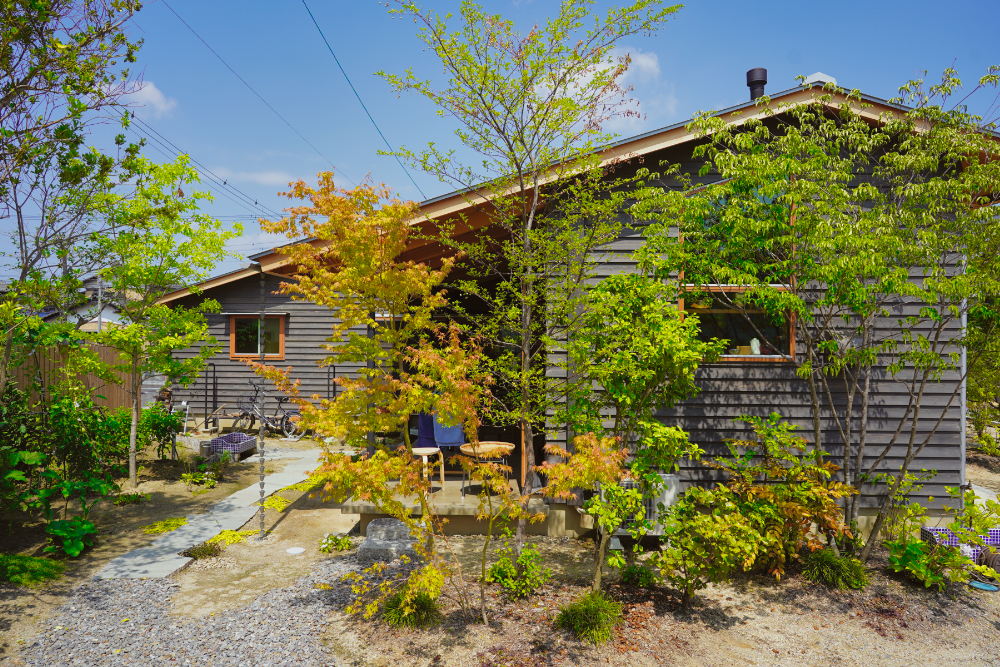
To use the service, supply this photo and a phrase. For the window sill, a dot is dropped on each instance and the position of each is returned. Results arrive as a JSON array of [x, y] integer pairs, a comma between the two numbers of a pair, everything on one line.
[[256, 357], [753, 357]]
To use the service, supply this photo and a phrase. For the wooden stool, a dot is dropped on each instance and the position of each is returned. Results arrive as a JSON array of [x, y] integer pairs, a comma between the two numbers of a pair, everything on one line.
[[424, 452]]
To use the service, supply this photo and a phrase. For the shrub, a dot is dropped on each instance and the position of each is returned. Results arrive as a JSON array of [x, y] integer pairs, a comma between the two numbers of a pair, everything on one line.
[[411, 611], [525, 583], [131, 498], [28, 570], [72, 536], [638, 575], [988, 444], [203, 550], [840, 572], [336, 541], [703, 548], [164, 526], [592, 618]]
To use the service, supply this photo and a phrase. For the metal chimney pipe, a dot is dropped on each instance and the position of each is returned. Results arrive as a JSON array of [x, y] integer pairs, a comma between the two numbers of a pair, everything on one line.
[[756, 80]]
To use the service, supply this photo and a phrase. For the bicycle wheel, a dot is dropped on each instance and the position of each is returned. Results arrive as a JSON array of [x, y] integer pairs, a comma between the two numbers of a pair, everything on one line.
[[243, 423], [291, 425]]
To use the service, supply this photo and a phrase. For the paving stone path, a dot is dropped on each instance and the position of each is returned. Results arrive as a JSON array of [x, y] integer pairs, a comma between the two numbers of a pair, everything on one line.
[[162, 557]]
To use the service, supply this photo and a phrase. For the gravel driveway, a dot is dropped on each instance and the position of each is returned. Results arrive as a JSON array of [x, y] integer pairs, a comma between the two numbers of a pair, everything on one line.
[[128, 622]]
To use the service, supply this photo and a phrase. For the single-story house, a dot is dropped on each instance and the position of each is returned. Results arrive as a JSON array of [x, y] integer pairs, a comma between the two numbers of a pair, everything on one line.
[[736, 384]]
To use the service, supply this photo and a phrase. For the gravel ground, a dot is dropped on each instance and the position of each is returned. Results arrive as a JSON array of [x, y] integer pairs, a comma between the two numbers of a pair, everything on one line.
[[128, 622]]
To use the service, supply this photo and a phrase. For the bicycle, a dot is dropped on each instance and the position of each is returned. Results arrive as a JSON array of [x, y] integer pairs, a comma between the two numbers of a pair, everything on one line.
[[285, 421]]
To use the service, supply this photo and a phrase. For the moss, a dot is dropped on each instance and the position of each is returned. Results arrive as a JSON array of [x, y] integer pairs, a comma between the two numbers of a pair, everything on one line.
[[203, 550], [227, 537], [29, 571], [307, 485], [164, 526], [276, 503]]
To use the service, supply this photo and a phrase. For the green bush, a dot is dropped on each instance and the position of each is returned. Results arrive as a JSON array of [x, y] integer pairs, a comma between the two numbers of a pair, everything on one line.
[[203, 550], [532, 575], [28, 570], [72, 536], [334, 541], [592, 618], [413, 611], [638, 575], [988, 444], [840, 572]]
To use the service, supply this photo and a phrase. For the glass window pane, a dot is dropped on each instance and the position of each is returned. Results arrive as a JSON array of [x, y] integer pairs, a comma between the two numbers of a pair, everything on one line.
[[272, 339], [246, 336], [717, 320]]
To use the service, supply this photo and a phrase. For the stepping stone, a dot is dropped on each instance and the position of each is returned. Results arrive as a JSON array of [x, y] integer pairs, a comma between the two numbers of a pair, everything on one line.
[[387, 540]]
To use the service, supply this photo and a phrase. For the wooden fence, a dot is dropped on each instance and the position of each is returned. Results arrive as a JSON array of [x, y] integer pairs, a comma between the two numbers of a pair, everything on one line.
[[39, 370]]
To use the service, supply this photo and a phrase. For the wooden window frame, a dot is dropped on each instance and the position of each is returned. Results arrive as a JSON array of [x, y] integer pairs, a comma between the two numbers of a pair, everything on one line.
[[267, 357], [739, 358]]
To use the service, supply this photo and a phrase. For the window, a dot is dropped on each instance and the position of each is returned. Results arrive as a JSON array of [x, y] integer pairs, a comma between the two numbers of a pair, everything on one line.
[[721, 320], [244, 337]]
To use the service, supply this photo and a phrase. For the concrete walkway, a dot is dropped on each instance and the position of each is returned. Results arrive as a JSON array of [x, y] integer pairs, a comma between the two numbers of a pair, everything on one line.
[[162, 557]]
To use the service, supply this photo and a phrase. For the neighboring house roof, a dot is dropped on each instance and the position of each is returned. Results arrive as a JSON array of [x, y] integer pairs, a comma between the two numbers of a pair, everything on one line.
[[453, 203]]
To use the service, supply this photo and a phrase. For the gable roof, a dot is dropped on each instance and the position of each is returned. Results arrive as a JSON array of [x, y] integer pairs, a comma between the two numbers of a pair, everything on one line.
[[453, 203]]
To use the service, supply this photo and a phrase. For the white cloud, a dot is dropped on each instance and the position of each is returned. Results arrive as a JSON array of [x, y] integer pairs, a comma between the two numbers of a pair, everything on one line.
[[652, 97], [280, 178], [151, 100]]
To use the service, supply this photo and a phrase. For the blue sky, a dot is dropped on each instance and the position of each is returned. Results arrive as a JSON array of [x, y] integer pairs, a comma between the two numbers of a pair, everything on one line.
[[697, 62]]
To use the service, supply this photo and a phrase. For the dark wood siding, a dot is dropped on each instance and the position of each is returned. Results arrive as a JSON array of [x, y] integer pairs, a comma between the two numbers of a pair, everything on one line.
[[307, 326]]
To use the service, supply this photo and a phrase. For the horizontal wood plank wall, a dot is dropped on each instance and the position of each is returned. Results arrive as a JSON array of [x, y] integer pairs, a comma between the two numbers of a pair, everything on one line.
[[37, 373], [732, 389], [307, 326]]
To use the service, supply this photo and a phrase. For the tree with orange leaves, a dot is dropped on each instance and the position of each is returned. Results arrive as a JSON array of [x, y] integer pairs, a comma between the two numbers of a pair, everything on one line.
[[383, 308]]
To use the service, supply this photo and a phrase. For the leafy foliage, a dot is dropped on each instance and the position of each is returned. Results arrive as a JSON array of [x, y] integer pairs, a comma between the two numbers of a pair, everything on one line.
[[988, 444], [275, 502], [782, 489], [71, 536], [592, 618], [203, 550], [29, 571], [334, 542], [521, 575], [841, 572], [702, 548], [418, 611], [636, 574]]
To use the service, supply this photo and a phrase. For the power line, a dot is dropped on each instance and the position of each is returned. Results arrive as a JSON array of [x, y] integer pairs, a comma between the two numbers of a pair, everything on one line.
[[256, 93], [205, 170], [398, 161]]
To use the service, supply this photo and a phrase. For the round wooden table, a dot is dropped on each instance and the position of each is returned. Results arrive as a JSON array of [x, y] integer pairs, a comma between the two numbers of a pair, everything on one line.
[[487, 450]]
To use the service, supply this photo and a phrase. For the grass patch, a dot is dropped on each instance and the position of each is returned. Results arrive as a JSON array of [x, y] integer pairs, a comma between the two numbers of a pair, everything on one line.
[[840, 572], [276, 503], [420, 611], [592, 618], [29, 571], [307, 485], [227, 537], [203, 550], [164, 526]]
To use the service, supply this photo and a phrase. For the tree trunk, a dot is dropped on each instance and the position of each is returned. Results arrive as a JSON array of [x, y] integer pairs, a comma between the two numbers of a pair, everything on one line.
[[133, 431], [602, 550], [8, 347]]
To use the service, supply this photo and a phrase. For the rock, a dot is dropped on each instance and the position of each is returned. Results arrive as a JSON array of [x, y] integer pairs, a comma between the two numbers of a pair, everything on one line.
[[388, 529], [387, 540]]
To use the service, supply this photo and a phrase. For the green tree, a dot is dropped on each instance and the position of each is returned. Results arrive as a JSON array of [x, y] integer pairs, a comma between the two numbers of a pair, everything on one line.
[[61, 62], [532, 106], [794, 230], [160, 243]]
